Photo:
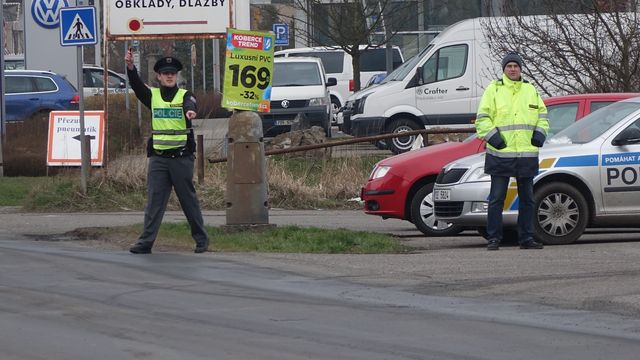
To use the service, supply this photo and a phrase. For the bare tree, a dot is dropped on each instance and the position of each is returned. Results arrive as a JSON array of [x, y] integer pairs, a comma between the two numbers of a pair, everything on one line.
[[582, 46], [348, 24]]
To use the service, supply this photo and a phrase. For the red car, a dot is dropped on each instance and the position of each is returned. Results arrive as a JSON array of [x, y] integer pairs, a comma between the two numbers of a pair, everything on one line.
[[400, 186]]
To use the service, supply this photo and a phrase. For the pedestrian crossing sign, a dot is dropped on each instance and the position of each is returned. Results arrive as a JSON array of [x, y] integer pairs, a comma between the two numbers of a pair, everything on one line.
[[78, 26]]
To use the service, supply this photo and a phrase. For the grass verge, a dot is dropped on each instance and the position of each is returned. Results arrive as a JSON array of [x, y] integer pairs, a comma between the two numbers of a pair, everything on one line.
[[292, 184], [285, 239], [14, 190]]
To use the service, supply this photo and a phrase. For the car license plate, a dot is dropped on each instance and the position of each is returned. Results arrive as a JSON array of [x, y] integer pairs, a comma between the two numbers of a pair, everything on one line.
[[283, 122], [440, 195]]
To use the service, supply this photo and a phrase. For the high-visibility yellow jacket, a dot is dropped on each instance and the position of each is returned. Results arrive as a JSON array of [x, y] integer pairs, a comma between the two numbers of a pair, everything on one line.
[[168, 123], [513, 120]]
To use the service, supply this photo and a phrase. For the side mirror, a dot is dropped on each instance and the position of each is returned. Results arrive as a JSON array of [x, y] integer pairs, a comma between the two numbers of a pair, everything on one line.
[[123, 85], [628, 136], [332, 81]]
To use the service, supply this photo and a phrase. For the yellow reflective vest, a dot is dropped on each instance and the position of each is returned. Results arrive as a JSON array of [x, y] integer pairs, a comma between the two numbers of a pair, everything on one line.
[[514, 111], [168, 123]]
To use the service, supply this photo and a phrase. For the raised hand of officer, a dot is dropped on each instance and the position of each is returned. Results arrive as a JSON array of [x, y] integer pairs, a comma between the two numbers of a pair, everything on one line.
[[128, 59]]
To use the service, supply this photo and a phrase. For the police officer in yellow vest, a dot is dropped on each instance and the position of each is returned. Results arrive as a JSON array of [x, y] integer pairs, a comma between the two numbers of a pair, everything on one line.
[[170, 150], [512, 119]]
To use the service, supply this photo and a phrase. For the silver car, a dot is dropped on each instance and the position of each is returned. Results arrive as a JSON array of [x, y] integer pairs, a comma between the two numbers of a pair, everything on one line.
[[589, 177]]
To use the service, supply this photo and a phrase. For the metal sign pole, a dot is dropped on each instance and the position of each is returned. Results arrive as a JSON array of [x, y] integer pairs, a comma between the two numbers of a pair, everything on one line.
[[84, 161], [78, 28], [2, 112], [135, 44], [216, 65], [193, 63], [204, 71], [126, 90]]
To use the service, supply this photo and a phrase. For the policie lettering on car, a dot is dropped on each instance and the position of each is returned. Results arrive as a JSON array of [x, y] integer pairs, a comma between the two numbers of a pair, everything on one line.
[[622, 170]]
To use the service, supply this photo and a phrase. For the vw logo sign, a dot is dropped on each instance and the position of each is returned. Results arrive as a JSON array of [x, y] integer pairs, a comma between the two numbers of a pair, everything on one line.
[[285, 104], [47, 12]]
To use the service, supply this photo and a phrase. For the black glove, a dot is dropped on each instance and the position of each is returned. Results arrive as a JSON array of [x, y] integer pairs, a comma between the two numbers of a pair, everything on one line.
[[497, 141], [538, 139]]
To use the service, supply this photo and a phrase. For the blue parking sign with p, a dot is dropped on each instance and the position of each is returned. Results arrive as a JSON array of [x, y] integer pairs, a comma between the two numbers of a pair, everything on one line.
[[282, 34], [78, 26]]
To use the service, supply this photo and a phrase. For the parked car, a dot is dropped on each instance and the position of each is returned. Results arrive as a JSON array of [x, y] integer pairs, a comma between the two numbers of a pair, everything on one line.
[[338, 64], [93, 81], [401, 186], [28, 92], [93, 77], [589, 177], [14, 62], [299, 90]]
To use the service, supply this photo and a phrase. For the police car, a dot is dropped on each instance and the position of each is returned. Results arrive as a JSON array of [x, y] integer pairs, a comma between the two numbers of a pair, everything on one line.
[[589, 177]]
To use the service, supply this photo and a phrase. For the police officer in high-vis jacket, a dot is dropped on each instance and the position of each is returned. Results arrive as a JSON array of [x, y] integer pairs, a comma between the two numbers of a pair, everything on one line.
[[170, 150], [512, 119]]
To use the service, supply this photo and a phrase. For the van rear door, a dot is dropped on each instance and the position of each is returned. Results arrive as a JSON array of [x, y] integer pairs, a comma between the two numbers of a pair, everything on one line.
[[445, 93]]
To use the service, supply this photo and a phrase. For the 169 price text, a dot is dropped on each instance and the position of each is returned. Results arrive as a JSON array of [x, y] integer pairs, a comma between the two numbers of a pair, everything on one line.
[[249, 76]]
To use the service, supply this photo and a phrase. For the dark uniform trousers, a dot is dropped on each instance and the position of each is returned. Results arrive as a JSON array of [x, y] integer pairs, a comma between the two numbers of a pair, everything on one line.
[[164, 173]]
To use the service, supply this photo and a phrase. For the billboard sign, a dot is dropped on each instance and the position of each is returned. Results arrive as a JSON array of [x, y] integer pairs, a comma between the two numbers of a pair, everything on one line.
[[63, 148], [248, 70], [157, 17]]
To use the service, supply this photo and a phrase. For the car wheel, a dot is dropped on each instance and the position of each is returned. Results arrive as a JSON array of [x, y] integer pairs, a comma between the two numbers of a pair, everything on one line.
[[561, 214], [401, 144], [424, 219]]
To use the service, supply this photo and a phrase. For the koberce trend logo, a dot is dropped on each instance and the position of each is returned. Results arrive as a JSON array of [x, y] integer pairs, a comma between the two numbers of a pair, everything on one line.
[[47, 12]]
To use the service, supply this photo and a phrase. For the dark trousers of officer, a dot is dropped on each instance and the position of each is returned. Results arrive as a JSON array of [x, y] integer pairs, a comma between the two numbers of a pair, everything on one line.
[[526, 207], [162, 175]]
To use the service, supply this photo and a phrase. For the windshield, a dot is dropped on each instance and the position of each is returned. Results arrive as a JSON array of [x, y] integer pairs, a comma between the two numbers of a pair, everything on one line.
[[595, 124], [296, 74], [403, 70]]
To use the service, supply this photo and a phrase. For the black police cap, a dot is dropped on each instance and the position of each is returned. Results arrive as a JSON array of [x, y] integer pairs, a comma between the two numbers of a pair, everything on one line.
[[167, 64]]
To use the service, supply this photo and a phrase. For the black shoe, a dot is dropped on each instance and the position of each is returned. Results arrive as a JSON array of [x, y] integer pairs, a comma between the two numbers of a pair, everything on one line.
[[531, 244], [140, 249], [493, 245], [200, 248]]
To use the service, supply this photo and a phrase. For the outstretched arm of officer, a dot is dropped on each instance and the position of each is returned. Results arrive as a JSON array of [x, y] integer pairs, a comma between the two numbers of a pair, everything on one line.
[[143, 93], [190, 105]]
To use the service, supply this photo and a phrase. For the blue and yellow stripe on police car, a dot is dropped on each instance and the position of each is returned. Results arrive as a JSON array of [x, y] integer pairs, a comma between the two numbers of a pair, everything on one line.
[[511, 199]]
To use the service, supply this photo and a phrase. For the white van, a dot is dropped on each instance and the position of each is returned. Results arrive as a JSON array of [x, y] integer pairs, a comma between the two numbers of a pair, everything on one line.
[[338, 64], [299, 93], [441, 85]]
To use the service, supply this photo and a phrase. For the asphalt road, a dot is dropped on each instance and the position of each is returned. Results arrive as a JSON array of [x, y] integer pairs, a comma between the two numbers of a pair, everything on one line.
[[60, 300], [449, 299]]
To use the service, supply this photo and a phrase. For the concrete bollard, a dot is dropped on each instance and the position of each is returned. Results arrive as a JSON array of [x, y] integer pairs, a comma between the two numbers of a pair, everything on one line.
[[246, 195]]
